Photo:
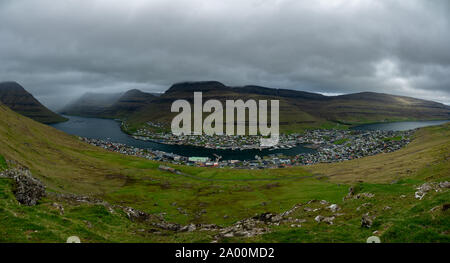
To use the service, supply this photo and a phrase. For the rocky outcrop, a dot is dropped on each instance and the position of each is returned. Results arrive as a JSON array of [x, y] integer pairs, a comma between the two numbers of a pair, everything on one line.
[[427, 187], [135, 215], [329, 220], [245, 228], [334, 208], [27, 189]]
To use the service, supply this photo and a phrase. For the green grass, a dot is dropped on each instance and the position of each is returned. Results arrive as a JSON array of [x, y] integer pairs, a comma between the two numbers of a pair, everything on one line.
[[408, 220], [3, 164], [92, 223]]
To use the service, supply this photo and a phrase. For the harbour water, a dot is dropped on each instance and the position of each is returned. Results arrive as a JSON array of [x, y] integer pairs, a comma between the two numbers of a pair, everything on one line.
[[399, 126], [107, 129]]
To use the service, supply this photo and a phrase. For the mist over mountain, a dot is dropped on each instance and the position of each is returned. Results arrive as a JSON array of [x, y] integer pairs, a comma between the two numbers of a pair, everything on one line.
[[108, 105], [91, 104]]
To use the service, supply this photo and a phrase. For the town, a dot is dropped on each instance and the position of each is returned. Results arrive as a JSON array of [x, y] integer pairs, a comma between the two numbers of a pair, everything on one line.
[[329, 145], [223, 142]]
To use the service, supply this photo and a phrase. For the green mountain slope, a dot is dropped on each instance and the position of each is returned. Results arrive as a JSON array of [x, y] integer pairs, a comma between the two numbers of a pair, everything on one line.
[[18, 99], [378, 107]]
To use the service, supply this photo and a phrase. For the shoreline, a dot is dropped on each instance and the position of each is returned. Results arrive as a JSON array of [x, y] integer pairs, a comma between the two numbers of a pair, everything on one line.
[[331, 146]]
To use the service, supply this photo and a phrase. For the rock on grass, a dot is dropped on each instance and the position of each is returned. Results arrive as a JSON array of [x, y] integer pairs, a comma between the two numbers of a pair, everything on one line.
[[27, 189]]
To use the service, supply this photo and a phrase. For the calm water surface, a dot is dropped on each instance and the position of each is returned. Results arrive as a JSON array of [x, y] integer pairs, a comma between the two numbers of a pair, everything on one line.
[[107, 129], [399, 126]]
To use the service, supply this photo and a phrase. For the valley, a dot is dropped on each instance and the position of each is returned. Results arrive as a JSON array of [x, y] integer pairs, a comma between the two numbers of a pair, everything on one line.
[[385, 184], [225, 131]]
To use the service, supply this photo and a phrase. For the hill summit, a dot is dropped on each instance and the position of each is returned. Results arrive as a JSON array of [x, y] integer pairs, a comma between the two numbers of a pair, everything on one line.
[[13, 95], [197, 86]]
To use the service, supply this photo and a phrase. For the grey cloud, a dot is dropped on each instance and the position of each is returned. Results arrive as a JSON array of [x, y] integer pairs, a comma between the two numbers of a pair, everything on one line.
[[61, 49]]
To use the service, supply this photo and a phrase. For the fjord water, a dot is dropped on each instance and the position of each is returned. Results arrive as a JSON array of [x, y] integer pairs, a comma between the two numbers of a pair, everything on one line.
[[399, 126], [106, 129]]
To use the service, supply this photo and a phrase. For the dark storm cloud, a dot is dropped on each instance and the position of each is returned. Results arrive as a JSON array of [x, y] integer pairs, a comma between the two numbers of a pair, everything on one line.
[[60, 49]]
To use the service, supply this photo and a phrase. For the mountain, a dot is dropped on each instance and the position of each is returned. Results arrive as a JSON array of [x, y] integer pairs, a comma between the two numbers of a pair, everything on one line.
[[91, 104], [379, 107], [18, 99], [204, 86], [298, 109], [113, 105], [130, 102], [285, 93]]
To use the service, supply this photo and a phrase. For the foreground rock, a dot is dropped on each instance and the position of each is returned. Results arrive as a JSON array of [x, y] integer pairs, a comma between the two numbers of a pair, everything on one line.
[[135, 215], [367, 220], [334, 208], [427, 187], [27, 189], [328, 220]]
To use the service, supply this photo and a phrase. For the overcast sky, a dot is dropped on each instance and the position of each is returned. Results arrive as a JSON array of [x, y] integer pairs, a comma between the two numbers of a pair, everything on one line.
[[59, 49]]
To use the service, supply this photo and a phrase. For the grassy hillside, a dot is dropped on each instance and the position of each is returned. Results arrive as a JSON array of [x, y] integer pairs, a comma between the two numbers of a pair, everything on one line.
[[293, 117], [219, 196], [369, 107]]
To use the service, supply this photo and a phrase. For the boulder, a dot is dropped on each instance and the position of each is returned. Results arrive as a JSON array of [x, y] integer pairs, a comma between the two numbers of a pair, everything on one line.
[[266, 217], [192, 227], [367, 220], [444, 184], [228, 235], [328, 220], [135, 215], [334, 208], [319, 218], [419, 195]]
